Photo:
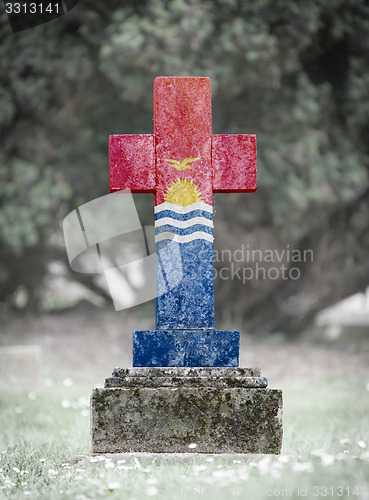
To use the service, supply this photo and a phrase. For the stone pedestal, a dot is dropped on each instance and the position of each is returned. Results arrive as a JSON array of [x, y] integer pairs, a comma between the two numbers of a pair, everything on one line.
[[165, 410]]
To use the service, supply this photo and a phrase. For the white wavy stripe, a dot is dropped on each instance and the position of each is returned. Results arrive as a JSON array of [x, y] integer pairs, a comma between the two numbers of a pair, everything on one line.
[[184, 210], [183, 223], [179, 238]]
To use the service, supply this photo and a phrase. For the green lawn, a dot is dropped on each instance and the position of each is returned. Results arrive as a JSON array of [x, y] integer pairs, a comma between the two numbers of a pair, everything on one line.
[[325, 451]]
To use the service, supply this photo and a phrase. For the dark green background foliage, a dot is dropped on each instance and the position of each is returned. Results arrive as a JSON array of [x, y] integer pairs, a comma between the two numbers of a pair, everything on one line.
[[294, 73]]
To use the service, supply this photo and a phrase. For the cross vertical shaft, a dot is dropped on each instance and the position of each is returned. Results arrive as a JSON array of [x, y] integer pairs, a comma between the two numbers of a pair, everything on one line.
[[183, 202]]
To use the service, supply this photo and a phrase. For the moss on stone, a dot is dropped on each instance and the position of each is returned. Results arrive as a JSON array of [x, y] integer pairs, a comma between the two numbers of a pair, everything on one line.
[[218, 420]]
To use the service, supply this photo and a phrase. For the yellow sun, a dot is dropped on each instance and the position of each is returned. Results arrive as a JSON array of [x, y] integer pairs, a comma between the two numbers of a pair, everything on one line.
[[182, 192]]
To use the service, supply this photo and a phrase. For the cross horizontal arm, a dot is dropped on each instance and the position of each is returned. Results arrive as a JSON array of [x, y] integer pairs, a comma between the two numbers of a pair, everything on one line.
[[234, 163], [132, 163]]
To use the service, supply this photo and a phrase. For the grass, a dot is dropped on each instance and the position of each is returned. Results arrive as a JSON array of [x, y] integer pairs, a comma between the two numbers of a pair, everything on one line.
[[325, 451]]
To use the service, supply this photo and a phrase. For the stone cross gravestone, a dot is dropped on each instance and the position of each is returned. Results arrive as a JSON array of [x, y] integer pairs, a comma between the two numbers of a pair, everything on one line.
[[182, 163], [185, 386]]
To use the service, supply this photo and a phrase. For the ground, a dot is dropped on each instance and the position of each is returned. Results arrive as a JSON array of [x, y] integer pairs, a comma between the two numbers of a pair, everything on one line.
[[88, 342], [42, 427]]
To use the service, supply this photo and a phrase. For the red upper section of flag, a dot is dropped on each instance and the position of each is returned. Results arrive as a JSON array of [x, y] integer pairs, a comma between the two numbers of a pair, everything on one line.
[[183, 147]]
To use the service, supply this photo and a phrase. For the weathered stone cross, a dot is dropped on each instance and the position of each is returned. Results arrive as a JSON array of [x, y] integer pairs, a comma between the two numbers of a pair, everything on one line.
[[183, 164]]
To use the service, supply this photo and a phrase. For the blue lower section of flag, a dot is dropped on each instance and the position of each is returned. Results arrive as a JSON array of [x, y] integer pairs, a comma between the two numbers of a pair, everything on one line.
[[184, 284], [186, 348]]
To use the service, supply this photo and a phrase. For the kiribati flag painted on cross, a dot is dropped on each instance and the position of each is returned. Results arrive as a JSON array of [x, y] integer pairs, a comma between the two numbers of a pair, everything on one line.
[[183, 164]]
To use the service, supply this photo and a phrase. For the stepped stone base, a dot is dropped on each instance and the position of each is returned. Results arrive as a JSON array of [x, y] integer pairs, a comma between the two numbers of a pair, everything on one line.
[[165, 410]]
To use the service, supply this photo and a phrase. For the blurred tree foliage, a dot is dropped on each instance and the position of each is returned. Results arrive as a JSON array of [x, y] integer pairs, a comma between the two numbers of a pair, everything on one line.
[[294, 73]]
